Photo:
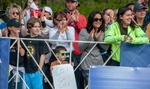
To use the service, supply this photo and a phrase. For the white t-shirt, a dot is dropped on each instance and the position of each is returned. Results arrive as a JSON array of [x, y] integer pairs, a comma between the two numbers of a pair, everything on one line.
[[69, 35]]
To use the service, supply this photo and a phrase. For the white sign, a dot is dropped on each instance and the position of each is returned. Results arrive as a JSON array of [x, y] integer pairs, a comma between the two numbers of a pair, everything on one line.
[[63, 77]]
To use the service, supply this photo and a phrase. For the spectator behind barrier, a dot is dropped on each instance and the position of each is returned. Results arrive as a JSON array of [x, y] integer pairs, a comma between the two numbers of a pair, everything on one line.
[[78, 21], [38, 49], [61, 32], [131, 6], [14, 11], [94, 31], [108, 15], [14, 26], [61, 54], [124, 30], [140, 13]]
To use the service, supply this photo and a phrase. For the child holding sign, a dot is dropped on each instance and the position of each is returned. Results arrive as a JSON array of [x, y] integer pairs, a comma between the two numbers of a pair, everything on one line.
[[61, 54], [63, 75]]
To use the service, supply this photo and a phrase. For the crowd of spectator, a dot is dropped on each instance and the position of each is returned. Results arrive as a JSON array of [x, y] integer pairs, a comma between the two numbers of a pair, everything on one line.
[[129, 23]]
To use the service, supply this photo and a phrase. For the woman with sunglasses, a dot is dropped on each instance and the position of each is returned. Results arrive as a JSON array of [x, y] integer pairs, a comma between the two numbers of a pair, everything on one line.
[[14, 11], [124, 29], [94, 31], [61, 31]]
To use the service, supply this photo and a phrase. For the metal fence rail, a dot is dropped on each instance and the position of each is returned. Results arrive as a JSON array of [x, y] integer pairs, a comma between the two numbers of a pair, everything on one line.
[[18, 40]]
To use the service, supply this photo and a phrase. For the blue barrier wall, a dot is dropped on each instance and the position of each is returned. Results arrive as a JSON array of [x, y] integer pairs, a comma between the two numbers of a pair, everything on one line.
[[4, 62], [108, 77], [135, 55]]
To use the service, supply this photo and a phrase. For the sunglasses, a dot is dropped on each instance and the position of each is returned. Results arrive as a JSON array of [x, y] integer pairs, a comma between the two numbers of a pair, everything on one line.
[[60, 19], [17, 13], [96, 19], [63, 54]]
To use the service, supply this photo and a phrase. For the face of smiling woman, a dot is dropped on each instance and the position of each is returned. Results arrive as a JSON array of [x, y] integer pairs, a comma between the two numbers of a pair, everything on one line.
[[97, 21], [126, 18]]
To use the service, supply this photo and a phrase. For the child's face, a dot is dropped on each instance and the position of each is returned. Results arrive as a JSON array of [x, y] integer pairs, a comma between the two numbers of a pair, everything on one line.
[[34, 31], [61, 55]]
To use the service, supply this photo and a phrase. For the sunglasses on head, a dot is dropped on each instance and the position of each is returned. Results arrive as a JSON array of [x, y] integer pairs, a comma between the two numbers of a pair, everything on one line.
[[96, 19], [63, 54], [17, 13]]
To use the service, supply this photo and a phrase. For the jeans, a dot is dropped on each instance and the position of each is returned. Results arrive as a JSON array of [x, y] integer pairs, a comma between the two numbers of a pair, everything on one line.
[[85, 74]]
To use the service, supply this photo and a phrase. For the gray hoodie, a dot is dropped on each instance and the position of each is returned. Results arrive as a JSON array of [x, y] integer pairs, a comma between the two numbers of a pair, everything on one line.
[[94, 58]]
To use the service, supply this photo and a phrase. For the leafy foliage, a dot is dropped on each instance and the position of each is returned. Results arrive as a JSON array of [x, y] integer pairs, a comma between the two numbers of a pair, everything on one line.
[[86, 5]]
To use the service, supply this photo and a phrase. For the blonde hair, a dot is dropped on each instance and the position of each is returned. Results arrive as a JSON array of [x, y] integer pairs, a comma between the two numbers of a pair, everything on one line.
[[13, 5]]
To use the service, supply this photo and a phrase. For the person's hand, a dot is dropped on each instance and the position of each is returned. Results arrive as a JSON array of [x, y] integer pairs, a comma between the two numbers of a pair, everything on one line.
[[74, 16], [60, 27], [42, 14], [99, 34], [70, 18], [35, 14], [92, 34], [22, 14], [29, 3], [111, 13], [125, 38], [5, 32], [128, 39], [72, 63]]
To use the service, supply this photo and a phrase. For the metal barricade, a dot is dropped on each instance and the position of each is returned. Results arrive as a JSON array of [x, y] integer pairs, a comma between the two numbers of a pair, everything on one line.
[[18, 40]]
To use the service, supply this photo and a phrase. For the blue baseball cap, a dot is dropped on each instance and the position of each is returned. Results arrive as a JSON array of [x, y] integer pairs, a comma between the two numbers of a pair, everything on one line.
[[138, 7]]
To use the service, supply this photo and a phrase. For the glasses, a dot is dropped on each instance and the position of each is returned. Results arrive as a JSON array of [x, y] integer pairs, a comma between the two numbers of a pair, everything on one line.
[[61, 19], [17, 13], [63, 54], [96, 19]]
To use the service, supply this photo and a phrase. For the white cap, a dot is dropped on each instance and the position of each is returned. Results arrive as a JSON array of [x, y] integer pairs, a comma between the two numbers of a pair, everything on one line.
[[48, 9]]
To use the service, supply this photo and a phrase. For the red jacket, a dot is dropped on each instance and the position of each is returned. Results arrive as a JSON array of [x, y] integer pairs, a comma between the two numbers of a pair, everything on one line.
[[81, 23]]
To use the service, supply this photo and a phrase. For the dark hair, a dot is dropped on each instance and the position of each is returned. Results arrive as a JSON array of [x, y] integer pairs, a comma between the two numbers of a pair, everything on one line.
[[59, 48], [103, 12], [121, 12], [89, 26], [58, 13], [129, 4]]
